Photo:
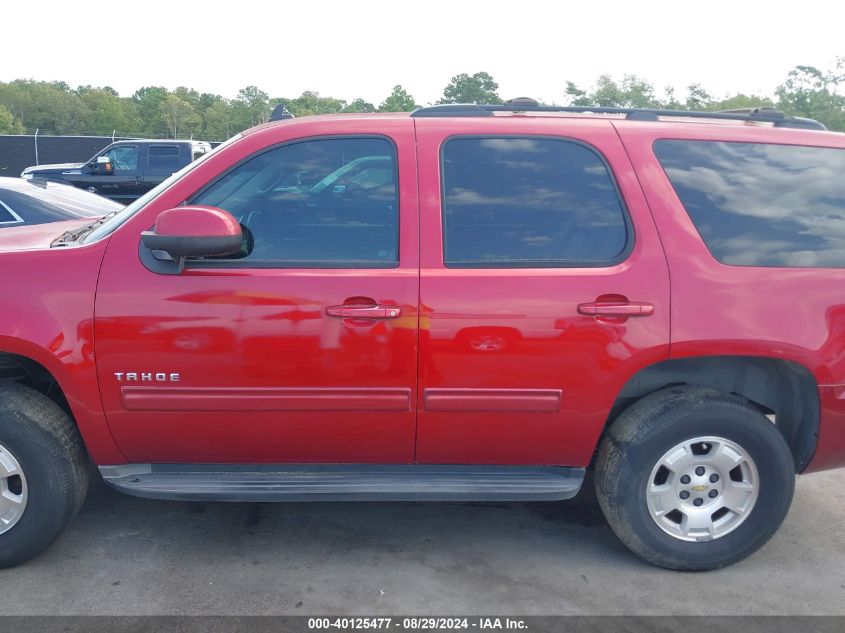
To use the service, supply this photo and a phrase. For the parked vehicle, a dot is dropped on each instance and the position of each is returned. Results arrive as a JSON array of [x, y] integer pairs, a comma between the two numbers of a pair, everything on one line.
[[464, 303], [125, 170], [25, 202]]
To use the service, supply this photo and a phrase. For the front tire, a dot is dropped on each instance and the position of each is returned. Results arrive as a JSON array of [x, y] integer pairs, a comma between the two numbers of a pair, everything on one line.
[[43, 472], [693, 479]]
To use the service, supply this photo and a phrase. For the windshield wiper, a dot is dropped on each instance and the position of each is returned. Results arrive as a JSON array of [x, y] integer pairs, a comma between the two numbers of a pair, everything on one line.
[[70, 237]]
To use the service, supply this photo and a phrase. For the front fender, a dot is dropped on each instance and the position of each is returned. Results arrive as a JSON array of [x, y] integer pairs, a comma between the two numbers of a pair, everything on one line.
[[47, 316]]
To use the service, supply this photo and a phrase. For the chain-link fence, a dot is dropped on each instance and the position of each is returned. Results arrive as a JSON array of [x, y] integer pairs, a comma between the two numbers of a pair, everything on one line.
[[17, 152]]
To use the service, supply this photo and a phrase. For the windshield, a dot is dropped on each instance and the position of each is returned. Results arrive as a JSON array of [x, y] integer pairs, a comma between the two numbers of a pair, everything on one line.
[[114, 222]]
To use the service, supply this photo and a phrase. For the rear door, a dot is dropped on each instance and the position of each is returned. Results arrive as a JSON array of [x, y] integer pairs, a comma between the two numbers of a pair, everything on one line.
[[162, 160], [543, 288]]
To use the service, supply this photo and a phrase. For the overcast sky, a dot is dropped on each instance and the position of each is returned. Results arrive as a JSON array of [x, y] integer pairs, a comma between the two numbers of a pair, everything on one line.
[[360, 48]]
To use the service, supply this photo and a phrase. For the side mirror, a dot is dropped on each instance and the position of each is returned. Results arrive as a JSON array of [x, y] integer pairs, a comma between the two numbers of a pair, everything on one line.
[[195, 231], [102, 165]]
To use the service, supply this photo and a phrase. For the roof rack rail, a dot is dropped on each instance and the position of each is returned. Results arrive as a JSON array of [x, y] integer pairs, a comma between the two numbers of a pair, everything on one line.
[[524, 104]]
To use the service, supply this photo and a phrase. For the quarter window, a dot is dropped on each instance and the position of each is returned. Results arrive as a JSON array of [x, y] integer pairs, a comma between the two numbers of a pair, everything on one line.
[[529, 202], [325, 203], [757, 204]]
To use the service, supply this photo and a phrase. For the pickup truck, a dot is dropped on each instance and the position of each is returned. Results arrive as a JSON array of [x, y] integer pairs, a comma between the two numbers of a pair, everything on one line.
[[124, 170], [464, 303]]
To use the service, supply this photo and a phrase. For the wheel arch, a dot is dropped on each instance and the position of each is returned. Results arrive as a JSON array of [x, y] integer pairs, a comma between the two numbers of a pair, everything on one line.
[[784, 390], [38, 368], [29, 368]]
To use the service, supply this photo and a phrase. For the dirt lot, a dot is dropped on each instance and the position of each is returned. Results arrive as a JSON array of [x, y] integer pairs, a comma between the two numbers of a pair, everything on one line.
[[132, 556]]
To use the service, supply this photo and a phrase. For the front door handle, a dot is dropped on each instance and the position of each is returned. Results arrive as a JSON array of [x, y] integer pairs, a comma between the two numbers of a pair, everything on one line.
[[616, 308], [375, 311]]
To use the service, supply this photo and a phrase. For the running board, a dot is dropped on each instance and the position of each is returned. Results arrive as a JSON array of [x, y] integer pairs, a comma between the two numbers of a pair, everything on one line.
[[347, 482]]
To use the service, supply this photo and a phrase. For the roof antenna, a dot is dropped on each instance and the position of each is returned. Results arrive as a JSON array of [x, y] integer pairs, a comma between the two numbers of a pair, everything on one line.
[[279, 113]]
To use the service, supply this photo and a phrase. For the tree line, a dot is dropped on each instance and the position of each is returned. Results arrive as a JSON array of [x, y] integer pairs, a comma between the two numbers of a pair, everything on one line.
[[54, 107]]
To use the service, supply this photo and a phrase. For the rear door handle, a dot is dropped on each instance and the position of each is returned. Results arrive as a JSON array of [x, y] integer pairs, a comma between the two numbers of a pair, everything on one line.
[[627, 308], [364, 311]]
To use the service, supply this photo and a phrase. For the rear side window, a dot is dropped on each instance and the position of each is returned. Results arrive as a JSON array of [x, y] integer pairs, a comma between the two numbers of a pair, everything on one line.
[[529, 202], [758, 204], [164, 158]]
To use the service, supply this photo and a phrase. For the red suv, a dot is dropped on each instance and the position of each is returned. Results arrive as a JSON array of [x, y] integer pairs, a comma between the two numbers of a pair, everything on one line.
[[463, 303]]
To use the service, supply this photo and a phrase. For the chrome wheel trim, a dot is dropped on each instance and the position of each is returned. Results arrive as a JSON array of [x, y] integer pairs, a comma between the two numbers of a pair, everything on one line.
[[14, 491], [702, 489]]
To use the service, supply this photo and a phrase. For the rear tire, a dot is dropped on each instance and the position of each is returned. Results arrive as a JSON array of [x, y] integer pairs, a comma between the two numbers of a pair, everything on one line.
[[721, 453], [40, 440]]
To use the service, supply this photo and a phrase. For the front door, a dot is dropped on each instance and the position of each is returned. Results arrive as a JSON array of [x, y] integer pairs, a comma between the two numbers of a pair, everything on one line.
[[124, 182], [543, 288], [301, 349]]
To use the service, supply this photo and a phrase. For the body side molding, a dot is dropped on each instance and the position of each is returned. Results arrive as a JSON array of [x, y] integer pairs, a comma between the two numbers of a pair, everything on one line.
[[159, 398], [543, 400]]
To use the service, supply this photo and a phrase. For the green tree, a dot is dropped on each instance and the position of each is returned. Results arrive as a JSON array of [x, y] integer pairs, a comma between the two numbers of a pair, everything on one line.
[[740, 101], [105, 111], [574, 94], [219, 121], [632, 92], [156, 112], [148, 102], [359, 105], [131, 116], [607, 94], [178, 115], [251, 107], [8, 123], [47, 106], [202, 105], [310, 102], [670, 102], [698, 98], [15, 100], [813, 93], [477, 88], [206, 100], [398, 101], [188, 94]]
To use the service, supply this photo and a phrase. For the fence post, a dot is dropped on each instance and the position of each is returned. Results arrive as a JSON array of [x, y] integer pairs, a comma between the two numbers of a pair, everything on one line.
[[112, 135], [36, 146]]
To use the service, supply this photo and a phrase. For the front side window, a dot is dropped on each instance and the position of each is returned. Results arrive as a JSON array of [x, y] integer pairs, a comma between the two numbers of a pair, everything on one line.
[[123, 157], [757, 204], [164, 158], [327, 203], [529, 202]]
